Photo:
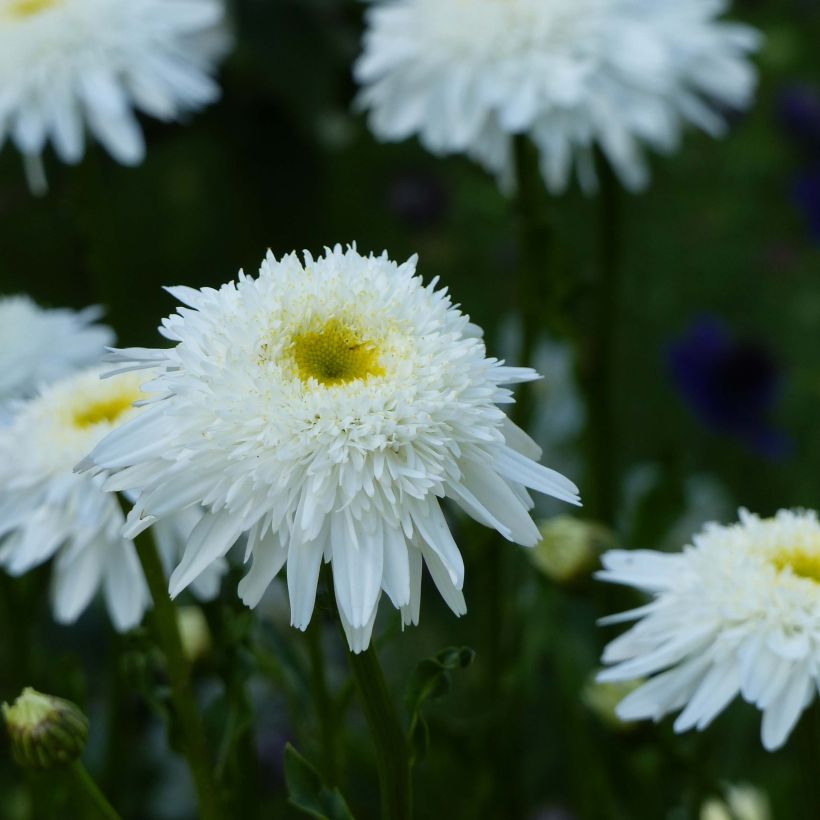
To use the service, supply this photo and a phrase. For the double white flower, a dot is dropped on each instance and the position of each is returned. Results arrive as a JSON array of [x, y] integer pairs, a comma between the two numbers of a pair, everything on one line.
[[466, 75], [67, 66], [736, 613], [326, 408]]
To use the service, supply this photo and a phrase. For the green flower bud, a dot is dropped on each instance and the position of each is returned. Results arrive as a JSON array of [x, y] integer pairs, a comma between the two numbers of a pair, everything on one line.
[[194, 632], [602, 698], [570, 547], [45, 731]]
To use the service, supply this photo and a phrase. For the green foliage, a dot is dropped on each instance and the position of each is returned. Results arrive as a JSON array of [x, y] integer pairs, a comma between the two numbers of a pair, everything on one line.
[[431, 680], [308, 793]]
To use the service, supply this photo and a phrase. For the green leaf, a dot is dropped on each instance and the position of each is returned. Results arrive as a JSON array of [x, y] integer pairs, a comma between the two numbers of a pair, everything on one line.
[[308, 793], [430, 681]]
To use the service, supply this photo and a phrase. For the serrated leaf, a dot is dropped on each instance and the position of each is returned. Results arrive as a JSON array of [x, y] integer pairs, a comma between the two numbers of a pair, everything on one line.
[[307, 792]]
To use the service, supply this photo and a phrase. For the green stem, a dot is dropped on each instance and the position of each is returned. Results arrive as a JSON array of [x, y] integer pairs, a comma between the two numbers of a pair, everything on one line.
[[194, 741], [392, 753], [86, 783], [537, 286], [600, 359], [325, 708]]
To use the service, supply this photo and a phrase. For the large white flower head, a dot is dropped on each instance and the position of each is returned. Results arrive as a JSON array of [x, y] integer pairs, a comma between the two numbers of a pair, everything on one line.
[[67, 66], [38, 346], [46, 510], [737, 612], [467, 75], [325, 408]]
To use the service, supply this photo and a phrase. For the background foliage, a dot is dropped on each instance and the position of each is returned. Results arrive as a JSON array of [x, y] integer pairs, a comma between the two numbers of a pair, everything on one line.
[[729, 231]]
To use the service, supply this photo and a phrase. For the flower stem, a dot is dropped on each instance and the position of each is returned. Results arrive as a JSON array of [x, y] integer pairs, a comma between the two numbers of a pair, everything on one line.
[[392, 753], [598, 377], [86, 783], [195, 743], [537, 285], [325, 708]]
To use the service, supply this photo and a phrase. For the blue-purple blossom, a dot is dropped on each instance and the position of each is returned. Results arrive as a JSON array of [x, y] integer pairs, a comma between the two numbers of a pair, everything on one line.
[[730, 384]]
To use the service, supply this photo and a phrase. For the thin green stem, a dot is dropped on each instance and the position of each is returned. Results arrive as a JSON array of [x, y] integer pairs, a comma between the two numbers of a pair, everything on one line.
[[325, 708], [392, 752], [536, 282], [192, 732], [599, 367], [92, 791]]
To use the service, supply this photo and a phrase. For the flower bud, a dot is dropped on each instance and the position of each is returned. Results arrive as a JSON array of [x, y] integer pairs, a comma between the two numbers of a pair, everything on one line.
[[569, 548], [714, 809], [194, 632], [45, 731], [602, 698]]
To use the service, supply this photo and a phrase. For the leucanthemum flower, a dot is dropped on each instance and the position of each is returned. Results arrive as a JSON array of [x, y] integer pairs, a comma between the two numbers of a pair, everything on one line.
[[39, 346], [47, 511], [326, 408], [736, 613], [466, 75], [67, 66]]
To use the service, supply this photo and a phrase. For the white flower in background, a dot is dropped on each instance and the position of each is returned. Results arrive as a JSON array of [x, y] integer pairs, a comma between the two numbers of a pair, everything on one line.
[[67, 66], [736, 613], [46, 510], [466, 75], [39, 346], [326, 408]]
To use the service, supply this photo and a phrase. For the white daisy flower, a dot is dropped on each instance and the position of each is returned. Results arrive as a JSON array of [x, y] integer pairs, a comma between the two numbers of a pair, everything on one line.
[[46, 510], [325, 408], [466, 75], [39, 346], [737, 612], [71, 65]]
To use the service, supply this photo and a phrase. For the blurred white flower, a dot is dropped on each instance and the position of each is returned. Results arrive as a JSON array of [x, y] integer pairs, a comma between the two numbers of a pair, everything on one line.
[[71, 65], [736, 613], [46, 510], [466, 75], [325, 408], [39, 346], [742, 802]]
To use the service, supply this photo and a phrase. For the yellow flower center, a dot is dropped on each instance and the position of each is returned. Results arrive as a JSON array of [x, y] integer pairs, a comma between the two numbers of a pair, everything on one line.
[[28, 8], [107, 410], [803, 562], [334, 354]]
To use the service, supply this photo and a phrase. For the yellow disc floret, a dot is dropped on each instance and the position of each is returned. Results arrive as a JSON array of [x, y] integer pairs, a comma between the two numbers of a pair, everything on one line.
[[333, 353], [107, 409], [802, 561], [28, 8]]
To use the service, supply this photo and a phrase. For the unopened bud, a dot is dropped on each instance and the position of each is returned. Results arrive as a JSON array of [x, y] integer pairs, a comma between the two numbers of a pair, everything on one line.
[[570, 547], [45, 731], [194, 632], [714, 809], [601, 698]]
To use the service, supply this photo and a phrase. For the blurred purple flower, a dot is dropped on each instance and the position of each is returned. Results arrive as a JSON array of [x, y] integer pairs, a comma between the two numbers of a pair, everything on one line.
[[799, 114], [731, 385], [806, 192]]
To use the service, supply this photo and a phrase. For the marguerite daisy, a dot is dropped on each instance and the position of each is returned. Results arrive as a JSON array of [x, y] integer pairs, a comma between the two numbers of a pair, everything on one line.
[[325, 408], [46, 510], [736, 613], [67, 66], [466, 75], [39, 346]]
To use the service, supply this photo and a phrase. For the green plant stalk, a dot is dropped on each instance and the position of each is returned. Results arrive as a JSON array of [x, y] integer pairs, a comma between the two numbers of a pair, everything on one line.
[[179, 675], [325, 707], [537, 283], [392, 752], [599, 370], [86, 784]]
